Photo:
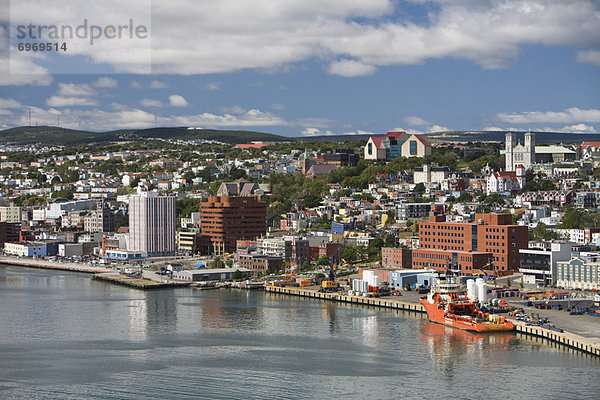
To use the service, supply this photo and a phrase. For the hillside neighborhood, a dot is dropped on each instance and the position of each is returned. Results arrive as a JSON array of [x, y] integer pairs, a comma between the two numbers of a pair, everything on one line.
[[393, 202]]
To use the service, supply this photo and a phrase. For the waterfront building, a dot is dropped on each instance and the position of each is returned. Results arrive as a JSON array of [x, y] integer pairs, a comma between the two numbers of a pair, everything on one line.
[[294, 249], [400, 257], [152, 224], [259, 263], [101, 219], [489, 233], [214, 274], [227, 219], [538, 262], [581, 272]]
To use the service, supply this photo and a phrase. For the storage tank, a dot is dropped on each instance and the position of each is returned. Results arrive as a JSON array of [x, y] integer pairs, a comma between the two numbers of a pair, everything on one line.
[[368, 276], [471, 290], [375, 282], [364, 286], [482, 291]]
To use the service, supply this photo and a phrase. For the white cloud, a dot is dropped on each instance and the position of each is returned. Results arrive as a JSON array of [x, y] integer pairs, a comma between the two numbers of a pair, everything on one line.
[[316, 132], [73, 94], [277, 106], [437, 128], [567, 116], [176, 100], [75, 89], [589, 57], [579, 128], [213, 86], [360, 132], [151, 103], [68, 101], [425, 129], [135, 85], [123, 117], [492, 129], [105, 82], [158, 85], [191, 37], [233, 110], [415, 121], [350, 68], [9, 103], [249, 118]]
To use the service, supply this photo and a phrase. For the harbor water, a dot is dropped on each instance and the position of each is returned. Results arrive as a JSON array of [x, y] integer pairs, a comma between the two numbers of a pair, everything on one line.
[[66, 336]]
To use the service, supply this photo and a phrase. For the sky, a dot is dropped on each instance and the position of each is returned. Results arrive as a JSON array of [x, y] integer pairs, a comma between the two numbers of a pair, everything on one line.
[[305, 67]]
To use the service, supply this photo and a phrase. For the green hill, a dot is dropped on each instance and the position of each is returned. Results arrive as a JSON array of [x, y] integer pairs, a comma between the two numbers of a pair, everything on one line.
[[50, 135]]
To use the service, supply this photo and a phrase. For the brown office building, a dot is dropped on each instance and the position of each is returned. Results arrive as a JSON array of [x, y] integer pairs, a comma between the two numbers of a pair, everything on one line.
[[226, 219], [489, 233]]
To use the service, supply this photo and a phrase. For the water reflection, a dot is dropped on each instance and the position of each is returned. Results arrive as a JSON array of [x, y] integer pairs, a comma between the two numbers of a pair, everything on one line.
[[449, 347]]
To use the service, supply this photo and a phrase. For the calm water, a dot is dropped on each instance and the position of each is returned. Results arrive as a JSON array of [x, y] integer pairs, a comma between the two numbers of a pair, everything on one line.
[[64, 336]]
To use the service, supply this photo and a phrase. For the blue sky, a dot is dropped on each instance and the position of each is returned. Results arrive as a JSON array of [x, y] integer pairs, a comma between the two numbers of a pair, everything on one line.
[[302, 68]]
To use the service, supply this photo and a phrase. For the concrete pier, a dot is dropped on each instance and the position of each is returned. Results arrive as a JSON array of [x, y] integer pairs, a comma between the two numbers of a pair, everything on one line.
[[44, 264], [585, 344], [136, 283], [367, 301], [588, 345]]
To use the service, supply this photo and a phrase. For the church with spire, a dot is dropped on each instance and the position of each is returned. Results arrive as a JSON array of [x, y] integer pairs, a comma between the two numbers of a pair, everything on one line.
[[519, 154]]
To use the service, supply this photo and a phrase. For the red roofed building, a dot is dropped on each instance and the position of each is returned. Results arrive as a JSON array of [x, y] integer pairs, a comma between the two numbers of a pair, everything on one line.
[[506, 182], [396, 144]]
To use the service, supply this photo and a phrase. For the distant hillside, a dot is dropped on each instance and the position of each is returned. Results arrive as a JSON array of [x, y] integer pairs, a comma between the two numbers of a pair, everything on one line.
[[471, 136], [225, 136], [50, 135]]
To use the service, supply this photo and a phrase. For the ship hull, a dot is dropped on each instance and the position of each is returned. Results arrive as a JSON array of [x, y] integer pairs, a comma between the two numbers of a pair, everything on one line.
[[438, 315]]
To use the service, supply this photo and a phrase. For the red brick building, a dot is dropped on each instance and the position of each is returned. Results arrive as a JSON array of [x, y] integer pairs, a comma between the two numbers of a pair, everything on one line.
[[226, 219], [467, 261], [396, 257], [489, 233]]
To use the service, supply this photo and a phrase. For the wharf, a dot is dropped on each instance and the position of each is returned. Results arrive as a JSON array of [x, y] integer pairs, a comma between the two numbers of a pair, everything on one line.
[[590, 345], [137, 283], [585, 344], [367, 301], [73, 267]]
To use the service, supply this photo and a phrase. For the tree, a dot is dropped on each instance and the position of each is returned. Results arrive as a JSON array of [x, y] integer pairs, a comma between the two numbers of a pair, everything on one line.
[[541, 232], [465, 197], [216, 263], [323, 260], [419, 188], [237, 275], [350, 254], [63, 194]]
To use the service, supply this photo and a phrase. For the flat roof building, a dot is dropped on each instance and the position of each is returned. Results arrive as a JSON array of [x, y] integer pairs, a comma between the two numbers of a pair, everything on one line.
[[152, 224], [227, 219], [489, 233]]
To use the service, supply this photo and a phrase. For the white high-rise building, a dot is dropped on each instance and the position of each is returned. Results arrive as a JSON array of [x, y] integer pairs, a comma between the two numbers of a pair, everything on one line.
[[152, 224]]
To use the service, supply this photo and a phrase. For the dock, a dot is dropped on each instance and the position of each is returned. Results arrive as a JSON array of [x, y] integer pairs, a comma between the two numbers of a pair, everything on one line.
[[585, 344], [43, 264], [569, 339], [367, 301], [137, 283]]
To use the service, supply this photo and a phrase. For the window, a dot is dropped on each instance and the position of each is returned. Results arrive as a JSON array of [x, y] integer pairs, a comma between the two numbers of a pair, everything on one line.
[[370, 148], [413, 147]]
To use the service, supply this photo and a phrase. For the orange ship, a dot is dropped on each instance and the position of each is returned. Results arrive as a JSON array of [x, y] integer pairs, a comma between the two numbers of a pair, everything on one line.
[[447, 304]]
